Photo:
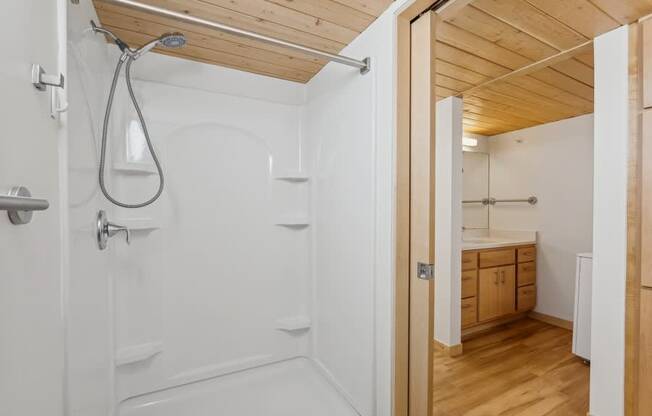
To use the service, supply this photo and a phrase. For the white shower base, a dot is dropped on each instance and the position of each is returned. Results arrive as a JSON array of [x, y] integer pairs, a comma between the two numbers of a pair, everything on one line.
[[289, 388]]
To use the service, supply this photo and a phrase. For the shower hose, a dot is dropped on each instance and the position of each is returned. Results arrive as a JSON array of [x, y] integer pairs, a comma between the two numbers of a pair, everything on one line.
[[143, 125]]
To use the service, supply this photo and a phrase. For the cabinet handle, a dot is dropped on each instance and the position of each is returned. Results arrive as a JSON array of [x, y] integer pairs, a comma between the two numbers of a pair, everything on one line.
[[466, 306], [496, 281], [503, 276], [467, 278]]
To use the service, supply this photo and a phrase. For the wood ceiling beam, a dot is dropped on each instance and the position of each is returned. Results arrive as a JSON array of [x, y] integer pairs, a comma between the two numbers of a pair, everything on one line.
[[451, 8], [536, 66]]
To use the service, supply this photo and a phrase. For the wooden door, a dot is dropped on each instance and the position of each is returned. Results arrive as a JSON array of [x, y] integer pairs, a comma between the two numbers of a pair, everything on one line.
[[489, 294], [507, 290], [422, 211], [639, 348]]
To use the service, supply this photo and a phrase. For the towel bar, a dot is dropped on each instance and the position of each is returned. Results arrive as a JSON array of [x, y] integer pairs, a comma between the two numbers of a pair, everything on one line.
[[20, 205]]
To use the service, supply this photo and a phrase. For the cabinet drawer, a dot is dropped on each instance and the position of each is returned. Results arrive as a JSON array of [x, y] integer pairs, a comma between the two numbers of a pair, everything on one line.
[[469, 312], [526, 254], [469, 261], [497, 258], [527, 298], [527, 273], [469, 283]]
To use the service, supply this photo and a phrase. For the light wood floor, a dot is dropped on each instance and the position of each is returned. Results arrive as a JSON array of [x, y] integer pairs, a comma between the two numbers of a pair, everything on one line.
[[523, 369]]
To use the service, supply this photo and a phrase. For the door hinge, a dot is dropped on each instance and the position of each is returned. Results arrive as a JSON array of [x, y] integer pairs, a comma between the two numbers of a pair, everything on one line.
[[425, 271]]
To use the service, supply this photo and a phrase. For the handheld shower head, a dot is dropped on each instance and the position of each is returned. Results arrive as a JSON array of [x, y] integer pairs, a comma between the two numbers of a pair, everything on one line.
[[169, 40], [173, 40], [129, 55]]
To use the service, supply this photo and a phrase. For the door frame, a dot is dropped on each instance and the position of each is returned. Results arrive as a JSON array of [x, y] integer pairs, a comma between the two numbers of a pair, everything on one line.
[[403, 298]]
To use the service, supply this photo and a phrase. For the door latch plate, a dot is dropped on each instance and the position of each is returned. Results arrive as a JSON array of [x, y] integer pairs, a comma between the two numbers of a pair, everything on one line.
[[425, 271]]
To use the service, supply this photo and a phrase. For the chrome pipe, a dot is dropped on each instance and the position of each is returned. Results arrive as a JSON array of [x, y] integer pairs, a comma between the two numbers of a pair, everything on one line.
[[362, 65]]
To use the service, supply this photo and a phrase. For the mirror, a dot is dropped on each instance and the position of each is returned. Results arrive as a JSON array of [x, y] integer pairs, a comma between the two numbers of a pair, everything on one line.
[[475, 187]]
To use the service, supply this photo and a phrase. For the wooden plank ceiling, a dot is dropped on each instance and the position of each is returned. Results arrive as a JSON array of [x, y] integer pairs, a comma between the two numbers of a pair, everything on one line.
[[483, 41], [489, 39], [327, 25]]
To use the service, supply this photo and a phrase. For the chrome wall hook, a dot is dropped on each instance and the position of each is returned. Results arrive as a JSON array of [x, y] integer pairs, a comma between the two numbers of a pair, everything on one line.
[[41, 80]]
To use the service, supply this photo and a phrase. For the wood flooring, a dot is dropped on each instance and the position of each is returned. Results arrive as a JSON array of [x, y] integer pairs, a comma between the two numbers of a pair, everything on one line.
[[525, 368]]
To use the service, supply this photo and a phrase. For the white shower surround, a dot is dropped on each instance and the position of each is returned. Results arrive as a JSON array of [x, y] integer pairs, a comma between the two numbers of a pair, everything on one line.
[[335, 274]]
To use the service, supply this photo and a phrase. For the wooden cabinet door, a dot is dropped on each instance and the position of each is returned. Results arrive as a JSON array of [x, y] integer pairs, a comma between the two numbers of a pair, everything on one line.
[[489, 294], [507, 290]]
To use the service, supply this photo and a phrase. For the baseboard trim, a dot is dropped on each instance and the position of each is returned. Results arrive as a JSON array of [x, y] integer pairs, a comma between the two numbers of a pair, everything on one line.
[[450, 350], [487, 327], [552, 320]]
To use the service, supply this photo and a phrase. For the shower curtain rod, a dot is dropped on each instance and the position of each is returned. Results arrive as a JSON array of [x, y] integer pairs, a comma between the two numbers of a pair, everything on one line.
[[363, 65]]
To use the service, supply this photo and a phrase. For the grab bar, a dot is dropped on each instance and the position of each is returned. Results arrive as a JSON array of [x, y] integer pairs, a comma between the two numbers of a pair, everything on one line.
[[484, 201], [492, 201], [20, 205], [531, 200]]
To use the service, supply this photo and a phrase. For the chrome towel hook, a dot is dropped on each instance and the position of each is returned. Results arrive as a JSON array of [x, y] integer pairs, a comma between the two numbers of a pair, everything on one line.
[[41, 80]]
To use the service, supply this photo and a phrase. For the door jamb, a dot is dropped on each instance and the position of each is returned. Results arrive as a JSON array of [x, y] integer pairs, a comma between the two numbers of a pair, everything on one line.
[[402, 272]]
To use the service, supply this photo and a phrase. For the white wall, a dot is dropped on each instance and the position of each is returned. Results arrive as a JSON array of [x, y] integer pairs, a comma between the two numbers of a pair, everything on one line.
[[212, 281], [89, 347], [475, 178], [610, 223], [31, 327], [553, 162], [448, 217], [350, 125]]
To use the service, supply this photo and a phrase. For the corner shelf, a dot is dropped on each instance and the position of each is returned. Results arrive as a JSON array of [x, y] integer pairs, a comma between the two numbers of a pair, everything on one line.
[[135, 168], [292, 177], [294, 324], [294, 221], [137, 353]]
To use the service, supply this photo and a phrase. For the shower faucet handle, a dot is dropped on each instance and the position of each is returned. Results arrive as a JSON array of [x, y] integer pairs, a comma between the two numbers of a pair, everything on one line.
[[113, 229], [107, 229]]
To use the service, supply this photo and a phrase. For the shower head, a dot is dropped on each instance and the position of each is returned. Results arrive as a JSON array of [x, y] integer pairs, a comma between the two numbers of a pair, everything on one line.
[[168, 40], [173, 40]]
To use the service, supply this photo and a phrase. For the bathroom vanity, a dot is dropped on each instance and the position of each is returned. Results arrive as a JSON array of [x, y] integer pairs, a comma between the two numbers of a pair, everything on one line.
[[498, 282]]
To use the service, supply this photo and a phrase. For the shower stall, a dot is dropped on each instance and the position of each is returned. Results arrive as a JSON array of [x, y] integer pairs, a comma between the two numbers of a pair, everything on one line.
[[260, 281]]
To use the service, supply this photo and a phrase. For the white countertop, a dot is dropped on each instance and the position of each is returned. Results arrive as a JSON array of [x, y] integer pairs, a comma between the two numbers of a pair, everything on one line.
[[484, 239]]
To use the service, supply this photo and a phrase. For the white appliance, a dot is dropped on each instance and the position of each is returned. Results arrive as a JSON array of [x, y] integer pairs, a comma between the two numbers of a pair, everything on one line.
[[582, 321]]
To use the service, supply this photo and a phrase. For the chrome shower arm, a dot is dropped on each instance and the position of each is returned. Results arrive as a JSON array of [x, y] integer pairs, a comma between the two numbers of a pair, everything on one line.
[[121, 44]]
